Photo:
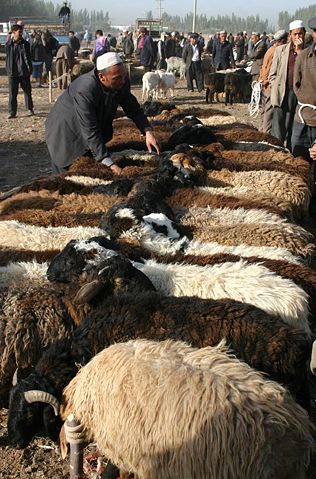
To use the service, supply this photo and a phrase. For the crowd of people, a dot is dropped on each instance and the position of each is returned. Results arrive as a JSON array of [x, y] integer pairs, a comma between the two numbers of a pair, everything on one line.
[[283, 64]]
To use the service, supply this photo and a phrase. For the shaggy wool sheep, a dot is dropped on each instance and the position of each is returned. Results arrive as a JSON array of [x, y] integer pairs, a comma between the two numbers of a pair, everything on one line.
[[161, 404], [282, 185], [267, 344], [36, 238], [229, 197]]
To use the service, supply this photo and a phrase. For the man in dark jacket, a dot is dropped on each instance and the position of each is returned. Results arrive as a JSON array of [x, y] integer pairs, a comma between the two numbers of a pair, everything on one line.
[[223, 53], [256, 55], [74, 42], [81, 120], [19, 70], [147, 53], [192, 56]]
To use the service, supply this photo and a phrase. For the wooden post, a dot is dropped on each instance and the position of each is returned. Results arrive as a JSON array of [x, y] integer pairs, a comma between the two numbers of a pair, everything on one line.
[[50, 87], [76, 453]]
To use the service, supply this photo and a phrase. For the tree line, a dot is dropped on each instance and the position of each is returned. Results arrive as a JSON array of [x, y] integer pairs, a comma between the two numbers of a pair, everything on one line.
[[100, 19]]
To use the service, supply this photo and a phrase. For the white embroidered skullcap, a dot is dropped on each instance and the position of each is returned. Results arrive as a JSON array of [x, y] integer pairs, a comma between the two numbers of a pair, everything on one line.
[[296, 24], [222, 31], [108, 60]]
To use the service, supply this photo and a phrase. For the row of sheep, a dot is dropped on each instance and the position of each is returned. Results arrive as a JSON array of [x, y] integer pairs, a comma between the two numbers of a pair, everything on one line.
[[222, 267]]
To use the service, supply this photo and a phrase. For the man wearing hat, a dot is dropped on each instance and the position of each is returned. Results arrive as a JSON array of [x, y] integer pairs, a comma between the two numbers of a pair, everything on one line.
[[80, 122], [304, 84], [256, 54], [280, 38], [223, 57], [283, 98], [147, 49], [191, 54]]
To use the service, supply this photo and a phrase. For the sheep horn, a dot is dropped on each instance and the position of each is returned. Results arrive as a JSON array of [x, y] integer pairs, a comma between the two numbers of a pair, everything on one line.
[[313, 359], [36, 395], [15, 377], [88, 291]]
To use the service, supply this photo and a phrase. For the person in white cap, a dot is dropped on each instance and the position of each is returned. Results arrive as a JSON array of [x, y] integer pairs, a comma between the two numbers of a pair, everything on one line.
[[283, 98], [80, 122]]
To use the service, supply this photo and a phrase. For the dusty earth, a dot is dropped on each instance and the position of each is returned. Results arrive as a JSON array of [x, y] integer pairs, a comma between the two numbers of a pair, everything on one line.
[[24, 156]]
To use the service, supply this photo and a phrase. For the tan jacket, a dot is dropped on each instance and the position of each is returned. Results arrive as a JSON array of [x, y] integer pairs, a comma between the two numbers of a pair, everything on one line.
[[265, 69], [278, 74], [304, 85]]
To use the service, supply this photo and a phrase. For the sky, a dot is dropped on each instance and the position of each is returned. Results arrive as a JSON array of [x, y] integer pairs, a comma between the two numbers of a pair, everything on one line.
[[126, 11]]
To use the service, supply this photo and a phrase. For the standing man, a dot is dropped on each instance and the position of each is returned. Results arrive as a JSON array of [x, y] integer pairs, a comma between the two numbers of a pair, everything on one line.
[[65, 60], [240, 47], [80, 122], [19, 69], [223, 57], [256, 54], [64, 14], [74, 42], [147, 49], [128, 45], [280, 38], [304, 85], [283, 98], [192, 56]]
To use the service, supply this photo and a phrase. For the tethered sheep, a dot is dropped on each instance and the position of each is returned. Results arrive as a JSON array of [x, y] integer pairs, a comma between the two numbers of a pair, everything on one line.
[[165, 409]]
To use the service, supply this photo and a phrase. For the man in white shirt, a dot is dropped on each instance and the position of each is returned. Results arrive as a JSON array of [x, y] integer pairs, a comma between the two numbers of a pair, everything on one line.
[[192, 56]]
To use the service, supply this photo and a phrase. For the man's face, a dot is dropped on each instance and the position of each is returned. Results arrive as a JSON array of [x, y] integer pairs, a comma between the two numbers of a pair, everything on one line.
[[193, 40], [222, 37], [17, 35], [254, 38], [114, 78], [297, 35]]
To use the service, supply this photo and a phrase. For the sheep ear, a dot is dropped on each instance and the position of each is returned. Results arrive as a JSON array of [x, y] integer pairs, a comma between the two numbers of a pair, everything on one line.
[[88, 291], [313, 359], [16, 377]]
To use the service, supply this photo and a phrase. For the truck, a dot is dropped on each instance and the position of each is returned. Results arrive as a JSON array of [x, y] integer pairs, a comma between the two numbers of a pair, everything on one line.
[[42, 23], [154, 27]]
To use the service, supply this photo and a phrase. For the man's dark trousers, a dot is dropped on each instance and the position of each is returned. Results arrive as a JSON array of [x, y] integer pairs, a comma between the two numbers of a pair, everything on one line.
[[14, 83]]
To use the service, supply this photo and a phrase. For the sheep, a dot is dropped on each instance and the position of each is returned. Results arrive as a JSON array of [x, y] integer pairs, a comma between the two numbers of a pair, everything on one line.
[[178, 401], [268, 345], [271, 159], [151, 82], [236, 280], [167, 82], [283, 185], [121, 222], [256, 235], [8, 255], [46, 208], [28, 237], [214, 84], [176, 65], [230, 135], [229, 197]]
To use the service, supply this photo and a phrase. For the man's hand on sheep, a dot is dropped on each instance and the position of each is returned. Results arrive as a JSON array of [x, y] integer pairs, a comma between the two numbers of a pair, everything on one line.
[[151, 141], [312, 152], [116, 169]]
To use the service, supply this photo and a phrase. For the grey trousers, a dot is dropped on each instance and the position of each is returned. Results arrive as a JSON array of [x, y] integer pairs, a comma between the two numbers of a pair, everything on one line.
[[266, 113], [283, 117]]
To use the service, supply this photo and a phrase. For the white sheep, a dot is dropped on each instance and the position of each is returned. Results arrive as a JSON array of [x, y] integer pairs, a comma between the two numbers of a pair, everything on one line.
[[167, 82], [151, 82], [176, 65], [14, 234], [166, 410], [248, 283]]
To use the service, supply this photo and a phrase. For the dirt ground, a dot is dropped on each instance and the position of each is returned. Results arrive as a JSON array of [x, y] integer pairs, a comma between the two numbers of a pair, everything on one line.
[[24, 156]]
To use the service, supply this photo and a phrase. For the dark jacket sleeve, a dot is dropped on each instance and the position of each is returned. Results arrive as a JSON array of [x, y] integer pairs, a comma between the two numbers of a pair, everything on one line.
[[28, 56], [85, 110], [132, 108], [231, 55]]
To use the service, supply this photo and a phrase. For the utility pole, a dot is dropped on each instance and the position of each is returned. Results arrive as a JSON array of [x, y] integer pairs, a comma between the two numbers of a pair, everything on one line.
[[160, 7], [194, 15]]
